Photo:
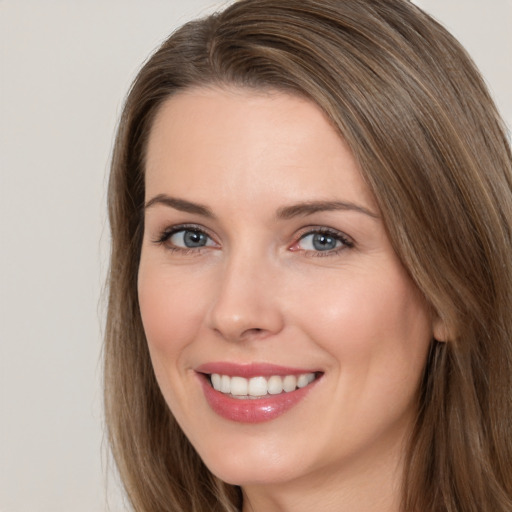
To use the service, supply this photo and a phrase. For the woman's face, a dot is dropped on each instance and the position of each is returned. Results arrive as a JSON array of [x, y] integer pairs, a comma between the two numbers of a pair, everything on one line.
[[265, 265]]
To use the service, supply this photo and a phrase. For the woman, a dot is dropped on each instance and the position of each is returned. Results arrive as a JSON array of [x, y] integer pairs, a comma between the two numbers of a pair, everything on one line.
[[311, 283]]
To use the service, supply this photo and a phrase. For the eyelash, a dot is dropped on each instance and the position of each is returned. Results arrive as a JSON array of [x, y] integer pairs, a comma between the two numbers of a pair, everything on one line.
[[165, 236], [346, 242]]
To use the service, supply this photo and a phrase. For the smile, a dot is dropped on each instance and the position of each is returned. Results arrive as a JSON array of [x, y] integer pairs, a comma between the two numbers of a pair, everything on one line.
[[254, 393], [256, 387]]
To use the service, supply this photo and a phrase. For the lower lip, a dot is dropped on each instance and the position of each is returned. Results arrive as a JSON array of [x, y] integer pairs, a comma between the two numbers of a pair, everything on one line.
[[255, 410]]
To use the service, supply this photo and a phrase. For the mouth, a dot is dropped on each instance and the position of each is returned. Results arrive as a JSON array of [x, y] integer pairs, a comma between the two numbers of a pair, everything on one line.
[[254, 393], [260, 386]]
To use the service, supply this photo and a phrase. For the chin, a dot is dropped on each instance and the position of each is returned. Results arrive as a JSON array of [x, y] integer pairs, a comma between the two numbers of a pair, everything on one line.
[[244, 476], [252, 463]]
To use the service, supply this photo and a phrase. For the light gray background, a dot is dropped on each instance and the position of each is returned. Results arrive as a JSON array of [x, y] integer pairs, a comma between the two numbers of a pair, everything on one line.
[[65, 67]]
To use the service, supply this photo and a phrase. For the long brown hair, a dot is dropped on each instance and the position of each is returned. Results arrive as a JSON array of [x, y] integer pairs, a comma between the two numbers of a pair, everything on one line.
[[432, 148]]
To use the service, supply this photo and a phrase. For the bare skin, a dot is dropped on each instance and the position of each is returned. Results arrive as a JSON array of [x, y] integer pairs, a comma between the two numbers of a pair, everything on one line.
[[263, 245]]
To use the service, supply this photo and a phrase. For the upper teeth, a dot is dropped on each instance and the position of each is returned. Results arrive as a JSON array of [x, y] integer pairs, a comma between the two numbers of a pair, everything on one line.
[[260, 386]]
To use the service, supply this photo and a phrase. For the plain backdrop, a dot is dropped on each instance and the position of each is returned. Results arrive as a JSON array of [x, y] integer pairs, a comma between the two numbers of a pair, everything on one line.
[[65, 67]]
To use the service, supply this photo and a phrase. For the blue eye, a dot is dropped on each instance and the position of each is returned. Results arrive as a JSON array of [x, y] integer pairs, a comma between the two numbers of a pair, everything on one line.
[[190, 239], [321, 241]]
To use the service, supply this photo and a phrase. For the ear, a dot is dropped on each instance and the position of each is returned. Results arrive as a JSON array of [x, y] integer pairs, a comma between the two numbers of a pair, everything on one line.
[[440, 330]]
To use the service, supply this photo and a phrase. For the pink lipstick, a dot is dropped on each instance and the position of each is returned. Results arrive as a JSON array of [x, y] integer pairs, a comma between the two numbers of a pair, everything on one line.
[[253, 393]]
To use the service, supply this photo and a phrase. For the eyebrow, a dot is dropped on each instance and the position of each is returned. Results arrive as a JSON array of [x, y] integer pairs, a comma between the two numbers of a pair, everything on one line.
[[286, 212], [311, 207], [180, 204]]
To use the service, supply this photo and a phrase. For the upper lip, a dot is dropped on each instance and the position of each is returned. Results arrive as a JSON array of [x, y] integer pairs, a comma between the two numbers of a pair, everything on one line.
[[250, 370]]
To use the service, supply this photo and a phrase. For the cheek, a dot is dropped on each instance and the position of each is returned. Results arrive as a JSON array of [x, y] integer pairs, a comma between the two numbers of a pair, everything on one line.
[[171, 315], [377, 334], [376, 327], [170, 311]]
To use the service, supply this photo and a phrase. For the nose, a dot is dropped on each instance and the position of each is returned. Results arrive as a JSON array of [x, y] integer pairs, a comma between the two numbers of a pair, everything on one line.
[[246, 303]]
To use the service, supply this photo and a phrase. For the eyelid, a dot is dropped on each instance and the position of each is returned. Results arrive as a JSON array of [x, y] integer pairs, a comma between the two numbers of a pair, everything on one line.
[[347, 241], [165, 234]]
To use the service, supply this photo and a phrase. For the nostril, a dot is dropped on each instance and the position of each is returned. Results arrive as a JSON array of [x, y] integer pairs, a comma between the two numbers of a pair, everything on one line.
[[253, 332]]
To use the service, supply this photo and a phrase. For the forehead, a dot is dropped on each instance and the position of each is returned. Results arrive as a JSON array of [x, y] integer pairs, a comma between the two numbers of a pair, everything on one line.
[[246, 141]]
